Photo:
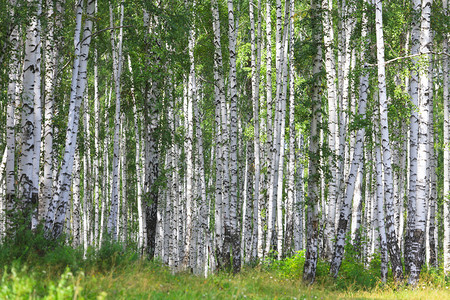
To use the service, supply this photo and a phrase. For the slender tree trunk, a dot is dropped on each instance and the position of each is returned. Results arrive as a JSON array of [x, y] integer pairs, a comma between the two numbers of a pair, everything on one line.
[[233, 220], [380, 214], [55, 219], [256, 65], [28, 163], [270, 169], [392, 241], [51, 59], [117, 71], [189, 143], [328, 38], [354, 172], [446, 216], [413, 136], [311, 256], [97, 156], [10, 156], [299, 205], [77, 230], [222, 206], [423, 149], [290, 208]]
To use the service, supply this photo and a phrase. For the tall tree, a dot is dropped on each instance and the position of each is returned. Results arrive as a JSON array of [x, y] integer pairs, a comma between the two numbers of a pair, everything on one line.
[[392, 244], [425, 110], [311, 255]]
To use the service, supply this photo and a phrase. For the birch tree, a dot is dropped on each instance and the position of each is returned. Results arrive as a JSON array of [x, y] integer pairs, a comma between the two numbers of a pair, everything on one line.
[[57, 210], [311, 255], [117, 71], [446, 151], [423, 149], [30, 117], [392, 244]]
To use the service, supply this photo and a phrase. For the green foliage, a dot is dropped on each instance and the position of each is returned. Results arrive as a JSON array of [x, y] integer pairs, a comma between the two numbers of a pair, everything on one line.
[[25, 285]]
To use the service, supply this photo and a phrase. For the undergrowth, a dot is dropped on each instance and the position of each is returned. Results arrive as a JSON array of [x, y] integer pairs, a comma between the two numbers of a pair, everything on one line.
[[33, 267]]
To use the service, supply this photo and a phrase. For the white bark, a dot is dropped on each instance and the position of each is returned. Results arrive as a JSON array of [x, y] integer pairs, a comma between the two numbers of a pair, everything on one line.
[[117, 71], [423, 150], [256, 65], [391, 235], [311, 256], [380, 214], [28, 164], [413, 135], [11, 122], [446, 151], [222, 206], [269, 146], [203, 210], [188, 144], [233, 221], [76, 217], [333, 138], [55, 219], [299, 205], [290, 208], [97, 156], [354, 172]]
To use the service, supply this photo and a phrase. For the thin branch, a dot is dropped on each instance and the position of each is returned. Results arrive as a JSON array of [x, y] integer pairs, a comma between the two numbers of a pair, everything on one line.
[[103, 30], [409, 56]]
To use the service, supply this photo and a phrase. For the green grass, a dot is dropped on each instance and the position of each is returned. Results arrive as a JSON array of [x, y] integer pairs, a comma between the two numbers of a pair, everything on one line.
[[38, 269], [148, 280]]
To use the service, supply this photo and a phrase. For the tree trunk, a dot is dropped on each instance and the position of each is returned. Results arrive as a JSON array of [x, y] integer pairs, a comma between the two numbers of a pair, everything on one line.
[[423, 149], [30, 124], [333, 138], [392, 241], [354, 172], [55, 219], [117, 71], [446, 216], [311, 256]]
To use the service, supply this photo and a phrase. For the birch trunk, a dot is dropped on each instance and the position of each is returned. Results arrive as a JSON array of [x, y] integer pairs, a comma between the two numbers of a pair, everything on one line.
[[413, 135], [76, 217], [51, 58], [96, 157], [189, 141], [223, 182], [28, 184], [299, 205], [354, 171], [333, 138], [117, 71], [290, 208], [446, 216], [55, 219], [380, 214], [10, 156], [311, 256], [233, 221], [270, 169], [392, 241], [423, 149], [256, 65], [203, 205]]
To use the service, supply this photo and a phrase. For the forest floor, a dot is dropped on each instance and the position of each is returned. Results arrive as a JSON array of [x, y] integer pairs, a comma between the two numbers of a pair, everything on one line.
[[60, 272], [152, 281]]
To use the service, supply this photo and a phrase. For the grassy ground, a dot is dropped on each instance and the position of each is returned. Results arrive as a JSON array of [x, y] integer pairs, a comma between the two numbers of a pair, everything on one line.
[[39, 270], [147, 280]]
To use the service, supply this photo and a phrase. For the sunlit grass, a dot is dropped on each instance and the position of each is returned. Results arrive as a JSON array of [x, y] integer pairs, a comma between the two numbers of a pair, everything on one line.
[[147, 280], [38, 270]]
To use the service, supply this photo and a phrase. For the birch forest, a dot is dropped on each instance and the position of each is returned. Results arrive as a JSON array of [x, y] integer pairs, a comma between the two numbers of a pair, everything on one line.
[[213, 135]]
